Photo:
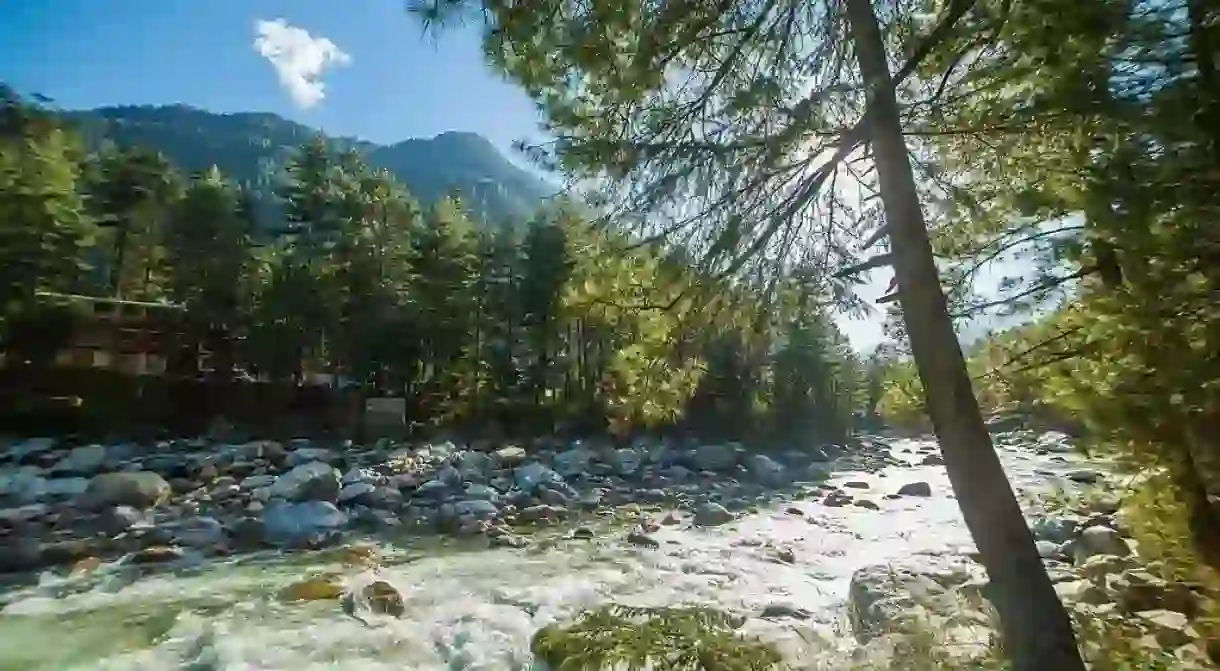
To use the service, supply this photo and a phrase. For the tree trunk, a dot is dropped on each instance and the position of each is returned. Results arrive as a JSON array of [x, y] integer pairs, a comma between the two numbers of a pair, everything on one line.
[[1037, 631]]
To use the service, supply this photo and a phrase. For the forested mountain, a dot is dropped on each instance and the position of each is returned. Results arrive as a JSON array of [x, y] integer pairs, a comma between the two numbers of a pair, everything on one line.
[[252, 148]]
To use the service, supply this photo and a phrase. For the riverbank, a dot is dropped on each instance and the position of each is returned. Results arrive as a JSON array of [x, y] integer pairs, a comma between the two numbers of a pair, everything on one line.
[[818, 552]]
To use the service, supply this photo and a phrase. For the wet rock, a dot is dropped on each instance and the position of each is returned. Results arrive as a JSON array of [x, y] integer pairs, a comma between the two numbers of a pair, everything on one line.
[[1084, 476], [1099, 541], [1138, 590], [625, 461], [296, 524], [915, 489], [83, 460], [883, 598], [767, 471], [355, 492], [540, 513], [779, 611], [1171, 630], [855, 484], [714, 458], [481, 509], [531, 476], [24, 484], [571, 463], [117, 519], [509, 456], [305, 455], [582, 533], [138, 489], [20, 554], [317, 588], [1054, 529], [1048, 550], [378, 597], [710, 514], [198, 532], [1098, 567], [313, 481], [158, 554], [641, 539], [866, 504], [836, 499], [932, 460]]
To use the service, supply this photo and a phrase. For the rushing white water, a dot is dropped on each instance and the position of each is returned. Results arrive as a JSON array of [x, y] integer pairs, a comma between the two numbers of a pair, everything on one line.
[[472, 608]]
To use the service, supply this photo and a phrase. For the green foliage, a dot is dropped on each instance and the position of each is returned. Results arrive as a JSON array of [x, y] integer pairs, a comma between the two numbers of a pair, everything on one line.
[[555, 318], [665, 639]]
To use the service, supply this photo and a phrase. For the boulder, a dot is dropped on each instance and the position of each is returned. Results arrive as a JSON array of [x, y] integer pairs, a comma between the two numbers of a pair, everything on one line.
[[573, 462], [313, 481], [305, 523], [714, 458], [305, 455], [1099, 541], [198, 532], [767, 471], [883, 598], [25, 484], [710, 514], [625, 461], [317, 588], [83, 460], [1054, 529], [531, 476], [915, 489], [138, 489], [509, 456], [355, 491]]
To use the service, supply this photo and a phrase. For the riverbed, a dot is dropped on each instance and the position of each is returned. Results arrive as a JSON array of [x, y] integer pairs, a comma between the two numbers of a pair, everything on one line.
[[474, 607]]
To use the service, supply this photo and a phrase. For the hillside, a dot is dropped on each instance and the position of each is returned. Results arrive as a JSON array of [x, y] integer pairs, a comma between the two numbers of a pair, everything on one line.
[[252, 148]]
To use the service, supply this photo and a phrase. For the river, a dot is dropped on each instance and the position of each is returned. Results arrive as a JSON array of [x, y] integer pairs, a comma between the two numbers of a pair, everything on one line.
[[474, 608]]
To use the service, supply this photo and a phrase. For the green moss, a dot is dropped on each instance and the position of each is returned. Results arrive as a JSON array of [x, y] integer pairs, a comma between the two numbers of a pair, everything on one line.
[[665, 639]]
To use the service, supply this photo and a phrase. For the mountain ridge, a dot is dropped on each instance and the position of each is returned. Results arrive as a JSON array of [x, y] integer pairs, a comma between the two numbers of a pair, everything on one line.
[[253, 148]]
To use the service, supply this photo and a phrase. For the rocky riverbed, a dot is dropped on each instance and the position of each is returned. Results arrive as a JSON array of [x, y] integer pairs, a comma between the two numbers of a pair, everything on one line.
[[200, 554]]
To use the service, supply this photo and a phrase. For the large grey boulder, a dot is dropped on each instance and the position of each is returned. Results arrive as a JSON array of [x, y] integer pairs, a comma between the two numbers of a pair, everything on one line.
[[138, 489], [768, 471], [573, 462], [296, 524], [314, 481], [714, 458], [711, 514], [83, 460]]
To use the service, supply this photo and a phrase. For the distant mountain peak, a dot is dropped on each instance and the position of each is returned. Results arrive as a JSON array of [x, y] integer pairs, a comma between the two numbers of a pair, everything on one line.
[[252, 148]]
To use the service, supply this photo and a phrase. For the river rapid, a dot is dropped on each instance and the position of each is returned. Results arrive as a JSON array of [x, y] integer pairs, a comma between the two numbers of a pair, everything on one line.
[[471, 607]]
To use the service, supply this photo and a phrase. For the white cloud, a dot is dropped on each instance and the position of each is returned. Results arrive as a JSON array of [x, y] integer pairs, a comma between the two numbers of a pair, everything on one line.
[[300, 59]]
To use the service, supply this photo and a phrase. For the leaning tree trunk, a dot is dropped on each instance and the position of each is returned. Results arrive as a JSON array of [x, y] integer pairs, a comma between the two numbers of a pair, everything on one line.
[[1036, 629]]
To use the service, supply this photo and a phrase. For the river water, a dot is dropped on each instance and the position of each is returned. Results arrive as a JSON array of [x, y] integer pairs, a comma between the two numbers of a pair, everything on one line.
[[473, 608]]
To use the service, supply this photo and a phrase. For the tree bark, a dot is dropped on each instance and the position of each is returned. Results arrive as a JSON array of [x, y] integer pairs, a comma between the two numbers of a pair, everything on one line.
[[1036, 629]]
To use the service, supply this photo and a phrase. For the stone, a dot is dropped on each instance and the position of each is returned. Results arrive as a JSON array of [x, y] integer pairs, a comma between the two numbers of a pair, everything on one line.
[[1098, 567], [714, 458], [157, 554], [312, 481], [379, 597], [1171, 630], [777, 611], [138, 489], [767, 471], [1081, 591], [481, 509], [571, 463], [305, 455], [915, 489], [296, 524], [642, 539], [509, 456], [1084, 476], [866, 504], [355, 491], [531, 476], [836, 499], [317, 588], [855, 484], [83, 460], [932, 460], [1054, 529], [625, 461], [117, 519], [1098, 541], [198, 532], [710, 514], [20, 554]]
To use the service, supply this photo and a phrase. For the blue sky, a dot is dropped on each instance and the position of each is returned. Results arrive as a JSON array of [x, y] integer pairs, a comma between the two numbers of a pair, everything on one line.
[[396, 84]]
